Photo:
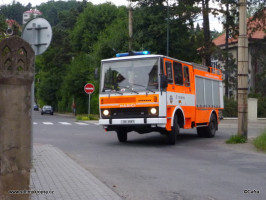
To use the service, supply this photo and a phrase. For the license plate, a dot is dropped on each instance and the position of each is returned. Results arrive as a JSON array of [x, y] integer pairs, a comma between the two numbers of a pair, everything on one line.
[[128, 121]]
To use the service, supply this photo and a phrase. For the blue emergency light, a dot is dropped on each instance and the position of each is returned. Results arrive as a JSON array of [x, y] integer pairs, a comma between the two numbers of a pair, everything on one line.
[[133, 53]]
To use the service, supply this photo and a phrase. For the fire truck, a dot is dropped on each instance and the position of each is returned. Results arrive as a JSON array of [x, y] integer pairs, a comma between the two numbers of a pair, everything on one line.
[[144, 93]]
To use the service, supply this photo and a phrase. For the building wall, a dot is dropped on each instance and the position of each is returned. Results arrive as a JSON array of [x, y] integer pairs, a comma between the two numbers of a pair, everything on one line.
[[233, 49]]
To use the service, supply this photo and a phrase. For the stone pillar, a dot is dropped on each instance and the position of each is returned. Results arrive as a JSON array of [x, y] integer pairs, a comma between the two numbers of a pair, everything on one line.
[[16, 77], [252, 109]]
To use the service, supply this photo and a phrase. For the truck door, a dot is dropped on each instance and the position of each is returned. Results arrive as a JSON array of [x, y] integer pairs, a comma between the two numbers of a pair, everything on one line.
[[190, 97], [169, 74]]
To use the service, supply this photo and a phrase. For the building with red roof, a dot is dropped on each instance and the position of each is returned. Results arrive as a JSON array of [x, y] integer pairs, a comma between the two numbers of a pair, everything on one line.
[[256, 31], [32, 13]]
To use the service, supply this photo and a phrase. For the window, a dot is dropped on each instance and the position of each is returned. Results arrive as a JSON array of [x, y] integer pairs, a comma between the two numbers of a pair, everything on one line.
[[178, 73], [169, 72], [186, 76]]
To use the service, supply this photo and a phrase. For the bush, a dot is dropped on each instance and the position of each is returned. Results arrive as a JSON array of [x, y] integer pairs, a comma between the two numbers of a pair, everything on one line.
[[230, 108], [260, 142]]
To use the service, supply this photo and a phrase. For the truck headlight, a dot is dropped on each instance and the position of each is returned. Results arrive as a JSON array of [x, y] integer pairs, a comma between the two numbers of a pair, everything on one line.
[[106, 112], [153, 111]]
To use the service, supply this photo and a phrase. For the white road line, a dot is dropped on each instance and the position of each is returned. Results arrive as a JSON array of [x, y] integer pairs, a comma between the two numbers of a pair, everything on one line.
[[65, 123], [35, 123], [81, 123], [48, 123]]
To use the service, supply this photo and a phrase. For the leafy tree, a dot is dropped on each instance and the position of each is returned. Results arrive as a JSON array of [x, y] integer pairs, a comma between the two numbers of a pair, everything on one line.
[[93, 20], [151, 22], [14, 11], [77, 75], [51, 9]]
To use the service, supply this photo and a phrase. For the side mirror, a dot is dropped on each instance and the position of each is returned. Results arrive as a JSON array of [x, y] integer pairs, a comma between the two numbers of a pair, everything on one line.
[[163, 81], [96, 74]]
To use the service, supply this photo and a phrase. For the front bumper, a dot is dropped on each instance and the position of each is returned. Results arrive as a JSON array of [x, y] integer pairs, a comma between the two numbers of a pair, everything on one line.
[[159, 122]]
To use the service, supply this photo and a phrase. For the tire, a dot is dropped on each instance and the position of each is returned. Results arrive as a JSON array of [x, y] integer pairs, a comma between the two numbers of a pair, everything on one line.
[[210, 130], [173, 134], [121, 135]]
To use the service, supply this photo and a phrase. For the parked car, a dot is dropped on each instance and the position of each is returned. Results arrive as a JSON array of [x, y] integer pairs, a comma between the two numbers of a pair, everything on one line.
[[35, 107], [47, 110]]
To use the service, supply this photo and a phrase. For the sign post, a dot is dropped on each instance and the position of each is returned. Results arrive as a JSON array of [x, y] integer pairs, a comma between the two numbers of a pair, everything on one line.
[[89, 89]]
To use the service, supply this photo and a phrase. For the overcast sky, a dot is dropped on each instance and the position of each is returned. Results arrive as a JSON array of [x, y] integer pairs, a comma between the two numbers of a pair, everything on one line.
[[214, 24], [38, 2]]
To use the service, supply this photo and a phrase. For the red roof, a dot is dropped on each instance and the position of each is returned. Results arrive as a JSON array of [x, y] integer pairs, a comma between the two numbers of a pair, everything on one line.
[[258, 34], [34, 11]]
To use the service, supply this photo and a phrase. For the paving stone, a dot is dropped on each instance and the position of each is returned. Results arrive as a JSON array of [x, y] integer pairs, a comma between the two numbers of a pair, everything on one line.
[[62, 178]]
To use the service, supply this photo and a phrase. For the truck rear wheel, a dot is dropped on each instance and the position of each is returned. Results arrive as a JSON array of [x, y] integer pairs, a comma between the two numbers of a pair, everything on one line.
[[121, 135], [210, 130], [173, 134]]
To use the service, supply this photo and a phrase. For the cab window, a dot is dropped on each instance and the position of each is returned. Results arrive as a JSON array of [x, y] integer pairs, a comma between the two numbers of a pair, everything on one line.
[[169, 72], [186, 76], [178, 73]]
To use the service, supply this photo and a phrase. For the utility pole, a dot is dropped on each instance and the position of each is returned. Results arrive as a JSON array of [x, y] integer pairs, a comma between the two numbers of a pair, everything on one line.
[[167, 38], [242, 71], [130, 26], [226, 49]]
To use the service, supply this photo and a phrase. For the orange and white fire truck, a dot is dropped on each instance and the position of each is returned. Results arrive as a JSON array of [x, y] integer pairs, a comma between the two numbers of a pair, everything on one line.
[[146, 93]]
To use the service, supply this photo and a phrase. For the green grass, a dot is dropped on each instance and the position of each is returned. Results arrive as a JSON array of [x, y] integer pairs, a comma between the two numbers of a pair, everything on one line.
[[86, 117], [236, 139], [260, 142]]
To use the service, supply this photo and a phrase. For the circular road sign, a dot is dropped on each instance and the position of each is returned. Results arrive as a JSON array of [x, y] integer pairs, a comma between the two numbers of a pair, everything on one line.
[[89, 88], [38, 33]]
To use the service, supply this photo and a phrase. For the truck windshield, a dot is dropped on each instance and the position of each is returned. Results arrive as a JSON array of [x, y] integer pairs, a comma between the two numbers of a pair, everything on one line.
[[130, 75]]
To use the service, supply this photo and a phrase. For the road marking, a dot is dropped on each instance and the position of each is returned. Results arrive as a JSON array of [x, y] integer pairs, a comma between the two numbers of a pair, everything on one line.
[[65, 123], [81, 123], [35, 123], [48, 123]]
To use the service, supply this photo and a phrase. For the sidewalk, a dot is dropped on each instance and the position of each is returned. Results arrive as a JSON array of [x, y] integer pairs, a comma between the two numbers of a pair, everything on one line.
[[58, 177]]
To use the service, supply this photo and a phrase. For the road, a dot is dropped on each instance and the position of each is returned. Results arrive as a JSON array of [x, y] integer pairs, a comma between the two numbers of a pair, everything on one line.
[[146, 168]]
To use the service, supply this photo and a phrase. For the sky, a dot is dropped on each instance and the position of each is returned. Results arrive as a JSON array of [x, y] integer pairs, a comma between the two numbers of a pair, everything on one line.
[[214, 23]]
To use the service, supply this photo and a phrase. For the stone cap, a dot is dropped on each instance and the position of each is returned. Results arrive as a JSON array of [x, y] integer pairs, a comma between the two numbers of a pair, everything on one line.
[[17, 60]]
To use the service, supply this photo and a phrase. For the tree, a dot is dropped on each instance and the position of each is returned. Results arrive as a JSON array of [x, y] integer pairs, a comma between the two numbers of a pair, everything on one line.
[[90, 23], [151, 19], [13, 11]]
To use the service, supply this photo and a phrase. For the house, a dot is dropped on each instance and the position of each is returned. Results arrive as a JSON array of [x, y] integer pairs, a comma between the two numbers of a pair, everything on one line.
[[256, 56], [32, 13]]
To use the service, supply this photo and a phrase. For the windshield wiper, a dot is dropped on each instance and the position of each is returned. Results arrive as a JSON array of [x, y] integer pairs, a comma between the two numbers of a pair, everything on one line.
[[144, 87], [129, 89], [110, 90]]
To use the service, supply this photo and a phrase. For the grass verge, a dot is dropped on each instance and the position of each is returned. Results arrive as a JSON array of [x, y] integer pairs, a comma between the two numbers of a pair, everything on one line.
[[260, 142], [86, 117], [236, 139]]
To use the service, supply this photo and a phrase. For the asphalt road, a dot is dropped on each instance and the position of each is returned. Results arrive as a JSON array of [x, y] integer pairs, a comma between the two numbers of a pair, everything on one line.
[[146, 168]]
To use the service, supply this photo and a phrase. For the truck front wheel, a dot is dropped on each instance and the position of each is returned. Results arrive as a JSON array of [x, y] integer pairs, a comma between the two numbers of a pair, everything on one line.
[[121, 135], [175, 131]]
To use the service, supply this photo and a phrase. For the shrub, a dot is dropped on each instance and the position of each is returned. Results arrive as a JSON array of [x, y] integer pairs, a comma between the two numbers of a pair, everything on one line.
[[230, 108]]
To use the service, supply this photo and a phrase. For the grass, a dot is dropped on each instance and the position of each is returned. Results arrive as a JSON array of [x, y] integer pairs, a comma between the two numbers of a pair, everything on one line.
[[260, 142], [86, 117], [236, 139]]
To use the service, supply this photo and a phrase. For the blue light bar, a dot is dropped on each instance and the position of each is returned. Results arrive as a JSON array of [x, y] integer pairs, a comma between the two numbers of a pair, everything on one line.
[[142, 53], [122, 54], [134, 53]]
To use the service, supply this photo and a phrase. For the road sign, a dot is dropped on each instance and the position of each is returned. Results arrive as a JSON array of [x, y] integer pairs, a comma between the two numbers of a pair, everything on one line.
[[38, 33], [89, 88]]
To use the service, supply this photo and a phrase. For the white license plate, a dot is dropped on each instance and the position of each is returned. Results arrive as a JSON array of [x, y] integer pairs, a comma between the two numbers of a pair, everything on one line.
[[128, 121]]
